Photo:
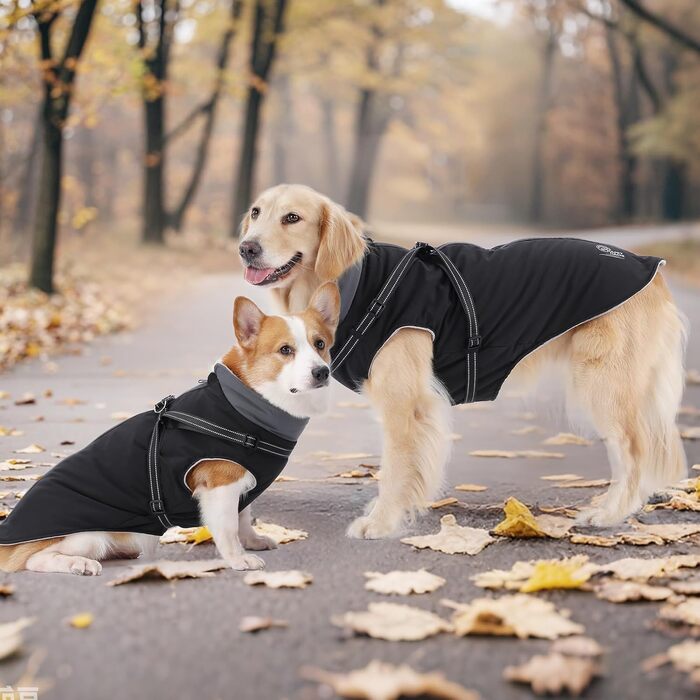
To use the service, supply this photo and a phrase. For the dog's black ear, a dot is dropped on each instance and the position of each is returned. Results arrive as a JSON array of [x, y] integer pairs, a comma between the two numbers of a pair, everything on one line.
[[341, 243], [326, 301], [247, 321]]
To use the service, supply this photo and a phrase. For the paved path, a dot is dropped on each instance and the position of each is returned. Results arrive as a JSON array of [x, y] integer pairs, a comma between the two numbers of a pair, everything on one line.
[[181, 640]]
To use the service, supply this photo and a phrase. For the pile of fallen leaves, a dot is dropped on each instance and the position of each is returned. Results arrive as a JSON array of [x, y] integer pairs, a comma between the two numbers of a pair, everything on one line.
[[34, 324]]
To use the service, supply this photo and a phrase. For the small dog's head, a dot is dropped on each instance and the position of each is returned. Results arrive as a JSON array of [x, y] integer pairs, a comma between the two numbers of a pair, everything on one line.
[[287, 358], [292, 231]]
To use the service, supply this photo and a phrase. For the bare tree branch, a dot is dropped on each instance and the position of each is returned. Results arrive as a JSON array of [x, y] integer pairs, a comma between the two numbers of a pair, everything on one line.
[[663, 25]]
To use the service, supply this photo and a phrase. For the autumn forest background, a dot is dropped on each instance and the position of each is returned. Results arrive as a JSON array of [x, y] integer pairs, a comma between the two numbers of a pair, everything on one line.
[[157, 120]]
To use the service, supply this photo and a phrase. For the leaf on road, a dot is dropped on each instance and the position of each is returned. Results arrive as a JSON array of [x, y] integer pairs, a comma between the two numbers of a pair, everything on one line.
[[687, 587], [520, 522], [278, 579], [548, 575], [453, 538], [20, 477], [279, 533], [690, 433], [515, 454], [169, 570], [596, 540], [32, 449], [403, 582], [527, 430], [517, 615], [81, 620], [554, 673], [566, 439], [589, 484], [449, 501], [561, 477], [670, 532], [343, 456], [475, 488], [393, 622], [685, 656], [686, 612], [26, 400], [633, 569], [577, 646], [625, 591], [11, 636], [256, 624], [381, 681], [6, 590], [362, 473], [515, 577], [10, 432]]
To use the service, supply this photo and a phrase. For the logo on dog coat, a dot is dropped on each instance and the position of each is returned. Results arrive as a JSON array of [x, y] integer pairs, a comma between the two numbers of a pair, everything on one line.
[[609, 252]]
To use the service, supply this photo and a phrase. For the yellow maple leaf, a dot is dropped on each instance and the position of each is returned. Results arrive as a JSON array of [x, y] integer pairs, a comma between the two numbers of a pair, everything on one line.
[[519, 521], [201, 534], [548, 575]]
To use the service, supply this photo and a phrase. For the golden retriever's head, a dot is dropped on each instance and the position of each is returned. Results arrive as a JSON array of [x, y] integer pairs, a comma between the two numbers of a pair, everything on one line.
[[292, 231]]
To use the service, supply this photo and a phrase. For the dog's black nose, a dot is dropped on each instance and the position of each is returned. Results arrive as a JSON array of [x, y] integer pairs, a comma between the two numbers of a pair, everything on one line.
[[320, 374], [250, 250]]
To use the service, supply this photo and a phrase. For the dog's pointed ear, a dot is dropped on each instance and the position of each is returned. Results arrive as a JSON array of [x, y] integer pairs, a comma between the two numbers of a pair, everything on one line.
[[326, 301], [247, 321], [341, 243]]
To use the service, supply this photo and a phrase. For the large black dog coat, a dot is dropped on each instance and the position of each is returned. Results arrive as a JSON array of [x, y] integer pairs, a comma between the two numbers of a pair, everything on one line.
[[132, 478], [486, 309]]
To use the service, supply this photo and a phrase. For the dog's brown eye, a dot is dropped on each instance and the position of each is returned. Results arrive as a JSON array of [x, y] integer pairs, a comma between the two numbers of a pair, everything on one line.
[[286, 350], [320, 344], [291, 218], [254, 212]]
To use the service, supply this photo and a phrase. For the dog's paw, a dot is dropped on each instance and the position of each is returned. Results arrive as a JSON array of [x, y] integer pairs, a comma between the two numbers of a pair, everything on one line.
[[247, 562], [369, 528], [599, 517], [258, 542], [82, 566]]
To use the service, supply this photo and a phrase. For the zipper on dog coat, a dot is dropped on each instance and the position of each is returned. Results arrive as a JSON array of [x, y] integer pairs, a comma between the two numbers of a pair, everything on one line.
[[133, 477], [486, 309]]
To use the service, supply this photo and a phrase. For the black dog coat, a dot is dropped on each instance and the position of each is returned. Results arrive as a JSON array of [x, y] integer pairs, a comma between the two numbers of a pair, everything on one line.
[[132, 478], [486, 309]]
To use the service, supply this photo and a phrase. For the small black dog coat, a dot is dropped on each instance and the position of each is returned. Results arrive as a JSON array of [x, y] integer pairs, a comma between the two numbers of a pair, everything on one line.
[[486, 309], [132, 478]]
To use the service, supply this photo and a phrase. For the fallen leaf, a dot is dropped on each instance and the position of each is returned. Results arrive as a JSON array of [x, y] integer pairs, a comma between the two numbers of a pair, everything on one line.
[[381, 681], [561, 477], [624, 591], [566, 439], [82, 620], [357, 474], [554, 673], [633, 569], [596, 540], [577, 646], [515, 577], [640, 538], [20, 477], [592, 483], [67, 442], [527, 430], [671, 532], [514, 454], [10, 432], [453, 538], [31, 449], [403, 582], [120, 415], [686, 612], [279, 533], [517, 615], [548, 575], [520, 522], [283, 477], [255, 624], [26, 400], [4, 394], [690, 588], [278, 579], [343, 456], [685, 656], [393, 622], [690, 433], [71, 402], [6, 590], [692, 376], [449, 501], [169, 570], [11, 637], [470, 487]]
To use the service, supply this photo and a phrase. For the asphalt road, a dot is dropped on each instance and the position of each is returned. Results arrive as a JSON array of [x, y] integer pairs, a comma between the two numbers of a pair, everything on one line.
[[181, 640]]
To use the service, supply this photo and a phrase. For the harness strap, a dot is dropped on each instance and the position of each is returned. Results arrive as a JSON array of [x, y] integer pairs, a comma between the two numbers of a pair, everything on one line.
[[455, 278], [198, 425]]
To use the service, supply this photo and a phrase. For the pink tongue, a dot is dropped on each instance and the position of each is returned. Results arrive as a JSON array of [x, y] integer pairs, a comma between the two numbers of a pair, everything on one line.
[[255, 275]]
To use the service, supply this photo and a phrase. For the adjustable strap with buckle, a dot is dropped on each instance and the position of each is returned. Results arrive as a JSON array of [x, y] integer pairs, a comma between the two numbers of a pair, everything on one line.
[[377, 305], [156, 506]]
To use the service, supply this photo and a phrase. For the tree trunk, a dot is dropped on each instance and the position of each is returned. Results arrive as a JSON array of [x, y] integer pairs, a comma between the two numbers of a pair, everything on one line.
[[247, 158], [330, 149], [673, 191], [154, 166], [283, 133], [542, 112], [27, 194]]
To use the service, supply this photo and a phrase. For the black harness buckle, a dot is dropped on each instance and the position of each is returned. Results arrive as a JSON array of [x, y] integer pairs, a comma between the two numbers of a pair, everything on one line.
[[250, 441], [375, 308], [474, 343], [163, 404], [157, 507]]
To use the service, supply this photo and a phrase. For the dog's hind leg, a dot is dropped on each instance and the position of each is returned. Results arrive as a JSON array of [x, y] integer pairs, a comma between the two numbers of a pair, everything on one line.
[[415, 418]]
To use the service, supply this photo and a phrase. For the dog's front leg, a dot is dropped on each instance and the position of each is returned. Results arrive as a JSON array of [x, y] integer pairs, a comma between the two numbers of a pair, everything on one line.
[[219, 507], [415, 419]]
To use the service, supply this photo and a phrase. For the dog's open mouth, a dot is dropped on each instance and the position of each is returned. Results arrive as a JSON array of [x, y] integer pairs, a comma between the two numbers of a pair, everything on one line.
[[267, 275]]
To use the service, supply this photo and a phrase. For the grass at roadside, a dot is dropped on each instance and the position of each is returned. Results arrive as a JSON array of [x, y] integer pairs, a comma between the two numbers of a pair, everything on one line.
[[683, 258]]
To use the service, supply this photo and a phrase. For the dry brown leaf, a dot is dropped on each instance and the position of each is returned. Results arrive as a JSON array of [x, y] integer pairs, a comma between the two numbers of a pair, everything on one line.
[[624, 591], [591, 483], [519, 615], [11, 636], [685, 656], [515, 454], [453, 538], [279, 533], [278, 579], [521, 571], [403, 582], [449, 501], [520, 522], [577, 646], [633, 569], [363, 473], [671, 532], [169, 570], [283, 477], [26, 400], [20, 477], [30, 449], [639, 538], [475, 488], [596, 540], [566, 439], [256, 624], [688, 587], [393, 622], [381, 681], [561, 477], [6, 590], [555, 673], [686, 612]]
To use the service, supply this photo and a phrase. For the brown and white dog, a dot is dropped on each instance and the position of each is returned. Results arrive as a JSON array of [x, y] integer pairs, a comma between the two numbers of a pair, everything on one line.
[[284, 359], [623, 369]]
